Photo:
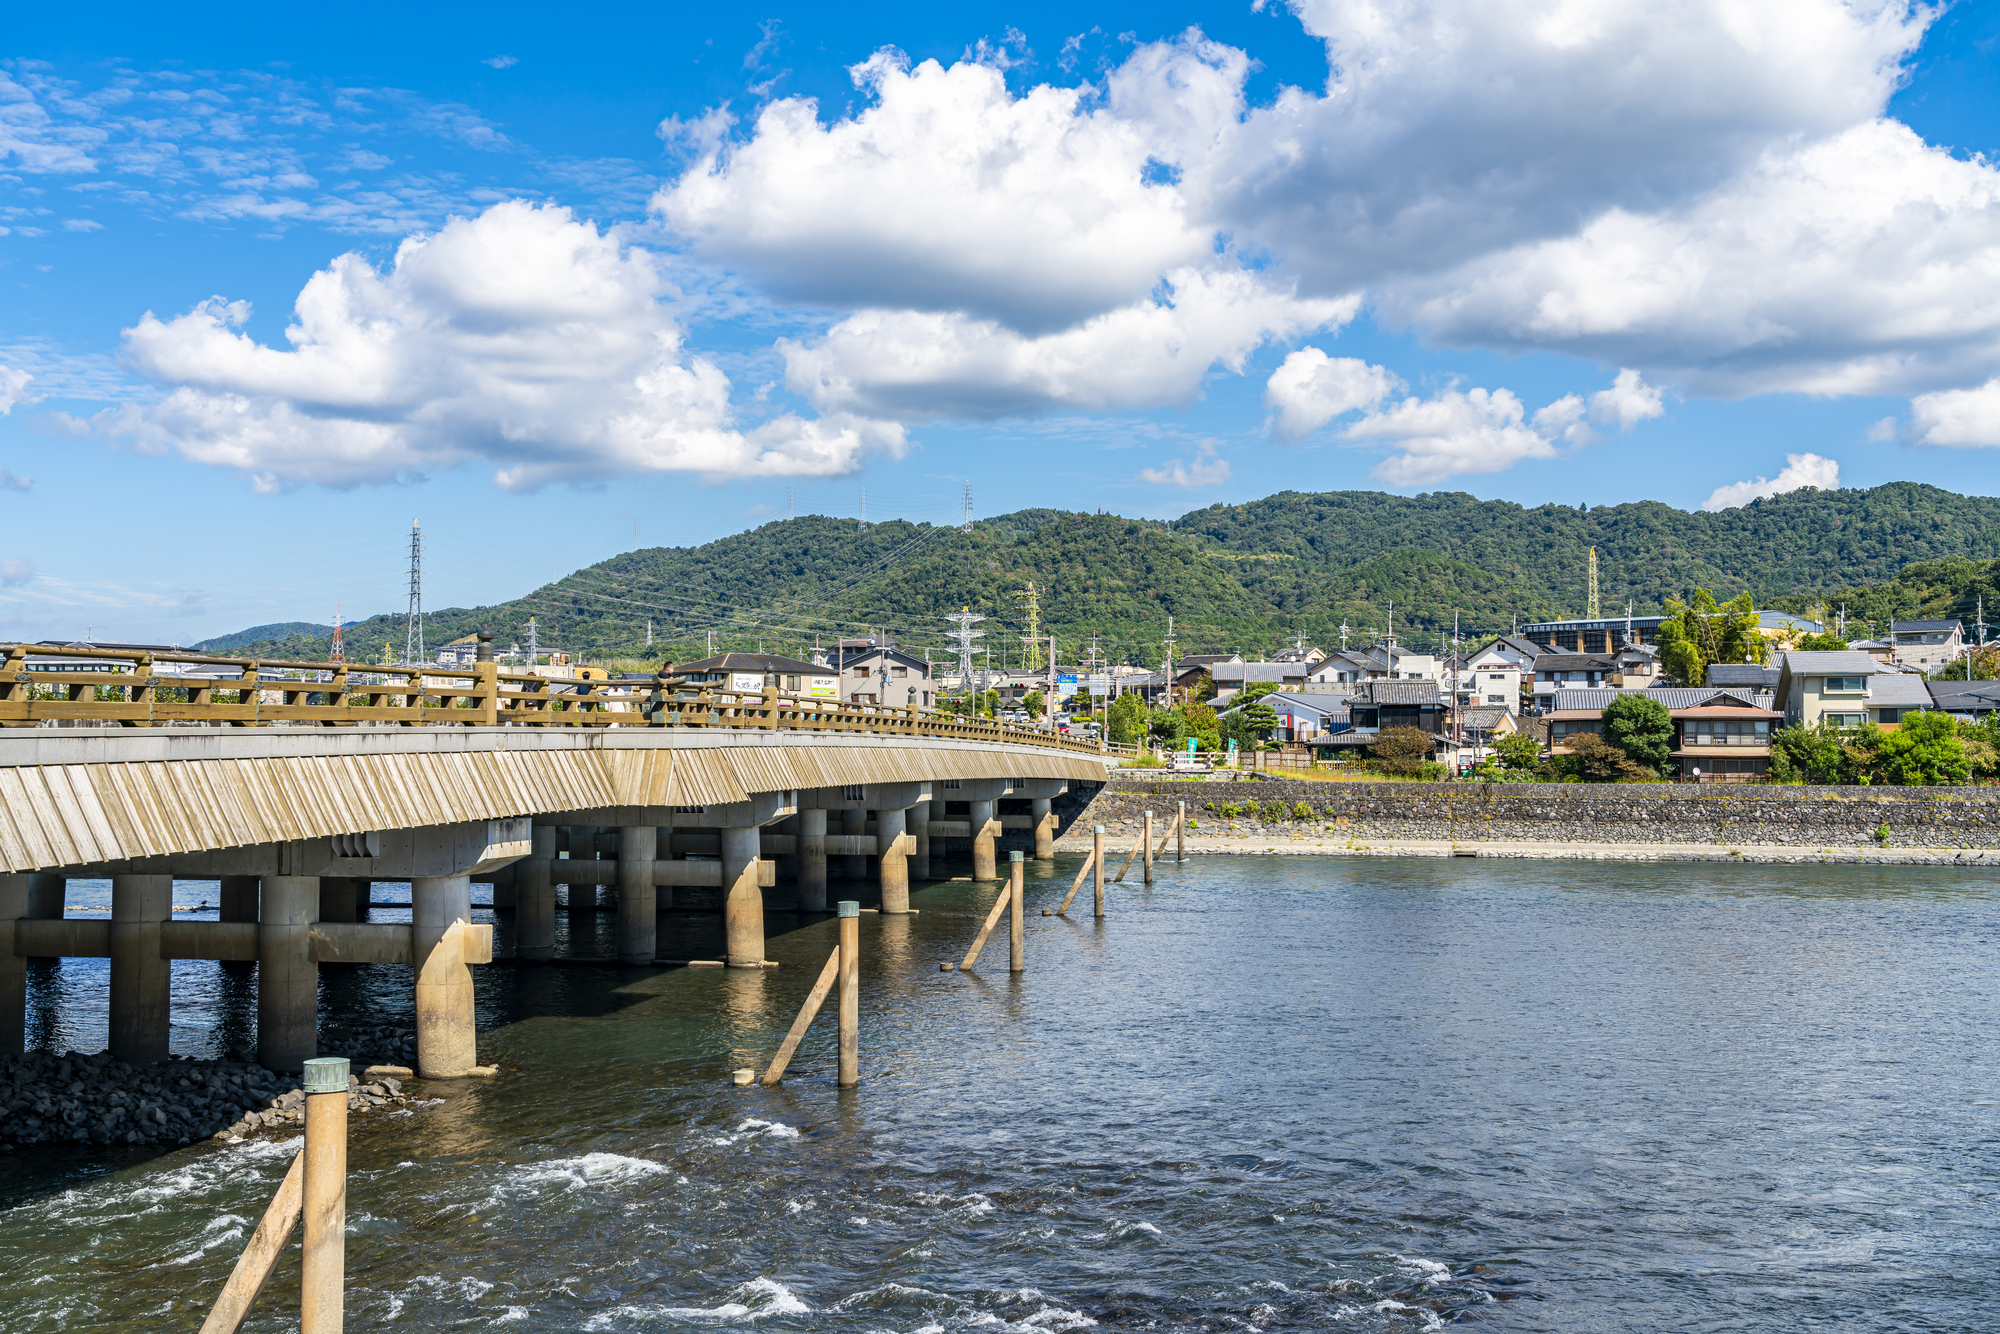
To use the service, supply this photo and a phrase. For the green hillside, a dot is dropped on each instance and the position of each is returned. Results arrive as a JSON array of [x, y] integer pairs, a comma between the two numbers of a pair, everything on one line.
[[1246, 577]]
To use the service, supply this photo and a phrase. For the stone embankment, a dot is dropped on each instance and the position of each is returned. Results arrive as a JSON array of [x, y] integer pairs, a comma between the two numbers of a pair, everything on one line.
[[78, 1099], [1557, 819]]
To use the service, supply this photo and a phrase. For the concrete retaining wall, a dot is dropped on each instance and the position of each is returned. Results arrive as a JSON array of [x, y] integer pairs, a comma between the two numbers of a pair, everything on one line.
[[1805, 817]]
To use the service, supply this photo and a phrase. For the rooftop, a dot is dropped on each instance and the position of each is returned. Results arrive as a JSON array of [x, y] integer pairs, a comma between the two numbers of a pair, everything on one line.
[[1831, 662]]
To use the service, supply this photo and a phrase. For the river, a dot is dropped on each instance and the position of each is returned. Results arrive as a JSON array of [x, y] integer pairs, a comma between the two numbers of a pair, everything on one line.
[[1265, 1094]]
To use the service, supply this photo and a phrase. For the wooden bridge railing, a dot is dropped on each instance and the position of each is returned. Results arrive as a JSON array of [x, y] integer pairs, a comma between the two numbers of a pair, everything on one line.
[[130, 689]]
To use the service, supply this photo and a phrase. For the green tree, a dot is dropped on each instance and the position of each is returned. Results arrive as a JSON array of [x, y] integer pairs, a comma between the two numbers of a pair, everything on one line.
[[1809, 755], [1595, 760], [1701, 630], [1250, 723], [1034, 702], [1643, 728], [1923, 752], [1400, 750], [1824, 642], [1203, 725], [1518, 752], [1203, 689], [1126, 719]]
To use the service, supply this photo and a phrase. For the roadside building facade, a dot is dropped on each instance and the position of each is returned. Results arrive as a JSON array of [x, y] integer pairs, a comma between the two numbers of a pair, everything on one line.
[[876, 671], [751, 672], [1834, 684], [1926, 646]]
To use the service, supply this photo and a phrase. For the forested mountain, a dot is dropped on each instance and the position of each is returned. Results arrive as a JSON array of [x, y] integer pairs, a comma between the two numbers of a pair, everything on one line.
[[1246, 577]]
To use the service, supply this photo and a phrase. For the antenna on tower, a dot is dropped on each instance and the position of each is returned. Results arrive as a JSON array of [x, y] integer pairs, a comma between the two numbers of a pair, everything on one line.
[[413, 621], [338, 653], [1591, 612]]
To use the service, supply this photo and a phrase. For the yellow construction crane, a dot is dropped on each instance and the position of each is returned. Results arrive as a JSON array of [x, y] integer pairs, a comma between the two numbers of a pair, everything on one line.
[[1592, 612]]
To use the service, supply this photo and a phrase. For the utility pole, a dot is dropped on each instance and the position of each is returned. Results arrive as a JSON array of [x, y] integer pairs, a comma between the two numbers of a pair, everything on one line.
[[1392, 623], [1167, 672], [649, 632], [413, 620], [711, 642], [1343, 634]]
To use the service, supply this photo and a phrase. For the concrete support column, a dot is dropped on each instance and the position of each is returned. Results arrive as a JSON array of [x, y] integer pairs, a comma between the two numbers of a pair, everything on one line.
[[287, 977], [1045, 829], [336, 899], [506, 886], [46, 894], [13, 969], [743, 899], [919, 822], [812, 861], [638, 900], [985, 834], [854, 822], [238, 899], [447, 1042], [895, 862], [582, 848], [535, 900], [140, 978]]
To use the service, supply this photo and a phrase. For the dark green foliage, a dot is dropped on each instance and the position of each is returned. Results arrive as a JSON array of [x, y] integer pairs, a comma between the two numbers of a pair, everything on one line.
[[1643, 728], [1595, 760], [1400, 750], [1809, 755], [1244, 577]]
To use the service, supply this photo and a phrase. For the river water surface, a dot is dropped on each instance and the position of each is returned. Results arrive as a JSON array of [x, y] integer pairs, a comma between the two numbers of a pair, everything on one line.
[[1265, 1094]]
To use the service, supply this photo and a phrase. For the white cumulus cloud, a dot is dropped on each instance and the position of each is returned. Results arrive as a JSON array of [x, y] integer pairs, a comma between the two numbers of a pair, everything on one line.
[[1963, 418], [1459, 433], [905, 363], [1310, 389], [1205, 469], [522, 338], [13, 388], [1801, 470]]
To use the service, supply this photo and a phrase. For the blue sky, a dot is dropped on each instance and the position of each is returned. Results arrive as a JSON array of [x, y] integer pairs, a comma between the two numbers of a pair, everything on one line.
[[663, 273]]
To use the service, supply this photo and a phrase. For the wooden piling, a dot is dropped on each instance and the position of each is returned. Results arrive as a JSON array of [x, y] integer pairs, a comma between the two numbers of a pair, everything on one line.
[[807, 1012], [323, 1263], [992, 920], [267, 1243], [1147, 840], [1130, 857], [1097, 876], [1075, 885], [1017, 945], [1180, 831], [850, 993]]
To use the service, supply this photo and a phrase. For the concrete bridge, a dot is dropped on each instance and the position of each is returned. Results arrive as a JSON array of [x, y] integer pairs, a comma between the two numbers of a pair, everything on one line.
[[297, 785]]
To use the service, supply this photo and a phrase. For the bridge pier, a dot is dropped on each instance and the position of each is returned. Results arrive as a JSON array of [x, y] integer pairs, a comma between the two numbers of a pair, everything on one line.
[[812, 861], [638, 911], [918, 820], [854, 821], [141, 981], [583, 848], [889, 840], [47, 895], [337, 899], [743, 899], [535, 900], [447, 1041], [13, 968], [1045, 828], [287, 977], [985, 827]]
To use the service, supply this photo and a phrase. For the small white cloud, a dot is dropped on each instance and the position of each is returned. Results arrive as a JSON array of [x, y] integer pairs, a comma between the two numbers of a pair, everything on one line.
[[14, 481], [1881, 431], [1801, 470], [1311, 389], [501, 62], [1452, 434], [82, 225], [355, 158], [1962, 418], [13, 388], [1629, 401], [1205, 470], [16, 571], [59, 424]]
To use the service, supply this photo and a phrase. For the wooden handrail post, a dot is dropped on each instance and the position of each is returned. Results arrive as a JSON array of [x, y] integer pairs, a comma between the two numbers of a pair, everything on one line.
[[323, 1266], [850, 993], [1016, 937]]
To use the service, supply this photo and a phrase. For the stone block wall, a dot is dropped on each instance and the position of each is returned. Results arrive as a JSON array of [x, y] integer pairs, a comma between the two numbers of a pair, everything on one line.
[[1805, 817]]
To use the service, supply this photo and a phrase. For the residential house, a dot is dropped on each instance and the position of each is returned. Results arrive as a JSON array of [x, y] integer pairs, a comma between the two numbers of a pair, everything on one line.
[[1556, 672], [1635, 667], [1231, 678], [1881, 650], [1894, 695], [1968, 701], [460, 652], [1495, 685], [1481, 726], [1339, 669], [1926, 646], [1742, 675], [1509, 649], [1826, 684], [1377, 705], [1726, 734], [1305, 653], [1189, 671], [876, 671], [1303, 716], [750, 673]]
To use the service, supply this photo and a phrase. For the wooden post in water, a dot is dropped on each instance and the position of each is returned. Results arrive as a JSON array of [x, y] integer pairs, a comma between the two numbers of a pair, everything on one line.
[[1180, 832], [1017, 945], [827, 977], [323, 1264], [1097, 864], [850, 993], [1148, 836], [253, 1267]]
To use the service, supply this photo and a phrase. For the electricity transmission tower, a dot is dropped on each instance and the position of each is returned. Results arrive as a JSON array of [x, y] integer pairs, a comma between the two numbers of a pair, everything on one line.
[[413, 622], [1033, 638], [338, 653], [962, 634], [965, 518]]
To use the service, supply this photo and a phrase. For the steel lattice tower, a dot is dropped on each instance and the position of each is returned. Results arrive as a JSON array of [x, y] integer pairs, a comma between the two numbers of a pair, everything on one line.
[[962, 636], [413, 628]]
